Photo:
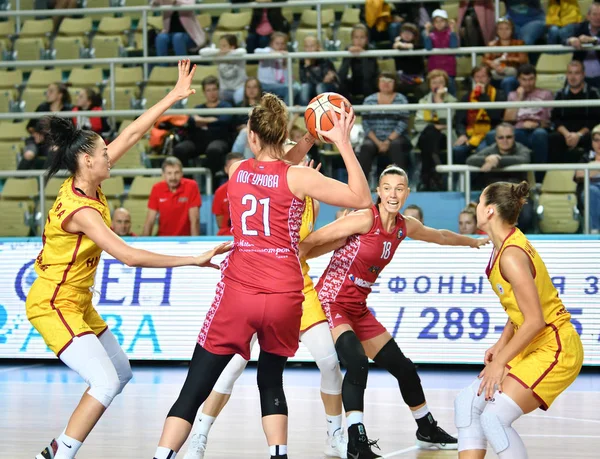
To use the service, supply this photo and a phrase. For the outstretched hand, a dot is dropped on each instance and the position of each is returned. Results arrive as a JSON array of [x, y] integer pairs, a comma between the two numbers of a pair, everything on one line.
[[183, 87], [479, 242], [340, 132], [205, 260]]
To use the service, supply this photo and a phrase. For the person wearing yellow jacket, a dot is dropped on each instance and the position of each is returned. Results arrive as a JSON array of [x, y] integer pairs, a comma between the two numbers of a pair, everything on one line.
[[562, 17]]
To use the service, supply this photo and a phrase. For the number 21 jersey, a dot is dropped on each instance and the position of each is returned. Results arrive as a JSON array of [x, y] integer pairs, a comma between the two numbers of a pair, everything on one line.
[[265, 219], [354, 268]]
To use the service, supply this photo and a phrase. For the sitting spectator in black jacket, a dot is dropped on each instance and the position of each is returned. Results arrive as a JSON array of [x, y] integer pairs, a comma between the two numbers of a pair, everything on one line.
[[316, 75], [573, 124], [264, 22], [358, 77], [208, 135], [36, 154], [587, 33], [505, 152], [58, 99], [473, 125], [411, 69]]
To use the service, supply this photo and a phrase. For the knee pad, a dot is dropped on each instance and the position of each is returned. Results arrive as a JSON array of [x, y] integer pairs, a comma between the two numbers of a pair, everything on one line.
[[353, 357], [467, 412], [270, 384], [403, 369], [118, 358], [103, 380], [125, 374], [231, 373], [496, 420], [331, 375]]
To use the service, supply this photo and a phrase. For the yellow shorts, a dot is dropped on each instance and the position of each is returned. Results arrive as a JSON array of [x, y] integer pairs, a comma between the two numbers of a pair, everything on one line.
[[61, 313], [312, 313], [549, 366]]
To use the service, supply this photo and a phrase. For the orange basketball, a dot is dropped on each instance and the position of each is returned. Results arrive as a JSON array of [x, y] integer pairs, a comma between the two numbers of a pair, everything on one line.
[[317, 115]]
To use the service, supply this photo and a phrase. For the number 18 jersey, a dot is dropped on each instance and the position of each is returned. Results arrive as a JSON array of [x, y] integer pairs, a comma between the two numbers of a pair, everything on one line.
[[265, 219], [354, 268]]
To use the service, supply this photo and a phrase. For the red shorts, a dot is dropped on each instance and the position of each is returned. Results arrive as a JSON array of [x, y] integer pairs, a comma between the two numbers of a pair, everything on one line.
[[237, 313], [362, 321]]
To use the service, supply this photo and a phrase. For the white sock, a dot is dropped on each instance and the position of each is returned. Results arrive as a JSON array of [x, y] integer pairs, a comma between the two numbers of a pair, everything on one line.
[[204, 424], [164, 453], [421, 412], [277, 450], [334, 423], [67, 447], [355, 417]]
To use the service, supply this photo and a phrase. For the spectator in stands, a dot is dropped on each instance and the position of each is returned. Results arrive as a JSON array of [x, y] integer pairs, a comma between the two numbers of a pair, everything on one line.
[[90, 100], [430, 127], [232, 74], [594, 155], [358, 77], [530, 121], [252, 94], [176, 201], [504, 65], [529, 19], [587, 33], [442, 34], [220, 205], [562, 18], [414, 12], [209, 135], [414, 211], [36, 154], [467, 220], [55, 5], [573, 124], [505, 152], [316, 75], [58, 99], [181, 30], [121, 222], [264, 22], [273, 73], [476, 22], [473, 125], [386, 133], [410, 69]]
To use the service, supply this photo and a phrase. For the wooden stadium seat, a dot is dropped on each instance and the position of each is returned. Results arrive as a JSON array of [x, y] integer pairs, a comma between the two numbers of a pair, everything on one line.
[[16, 219], [553, 63], [203, 71], [85, 78], [350, 17], [113, 187], [551, 82], [163, 76], [128, 76], [41, 78], [309, 18], [110, 26], [133, 15], [343, 37], [387, 65], [20, 189], [558, 203], [141, 186], [6, 99], [204, 20], [34, 28], [52, 187], [138, 208], [104, 47], [75, 27], [29, 49], [11, 80], [153, 94], [7, 28], [8, 155], [16, 132], [234, 21], [215, 12], [195, 99], [68, 48], [125, 98], [154, 22], [32, 98]]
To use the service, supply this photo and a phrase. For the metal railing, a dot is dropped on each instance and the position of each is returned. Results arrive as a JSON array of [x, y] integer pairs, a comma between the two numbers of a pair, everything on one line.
[[41, 176], [592, 166]]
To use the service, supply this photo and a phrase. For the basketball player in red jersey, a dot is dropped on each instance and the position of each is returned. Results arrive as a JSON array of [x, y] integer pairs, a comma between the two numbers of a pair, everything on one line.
[[261, 286], [365, 242]]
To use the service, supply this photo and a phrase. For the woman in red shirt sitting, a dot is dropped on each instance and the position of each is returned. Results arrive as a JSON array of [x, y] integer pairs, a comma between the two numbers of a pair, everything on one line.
[[90, 100]]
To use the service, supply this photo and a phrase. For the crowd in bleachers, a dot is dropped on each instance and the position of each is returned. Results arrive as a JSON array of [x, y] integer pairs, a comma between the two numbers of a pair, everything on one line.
[[417, 141]]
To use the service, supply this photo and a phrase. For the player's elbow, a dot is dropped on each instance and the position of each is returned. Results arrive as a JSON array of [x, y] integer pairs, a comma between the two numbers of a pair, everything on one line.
[[536, 324], [365, 202], [131, 258]]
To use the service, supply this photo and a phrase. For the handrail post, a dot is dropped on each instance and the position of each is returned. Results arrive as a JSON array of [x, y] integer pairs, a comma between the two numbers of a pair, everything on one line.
[[449, 146], [145, 40], [113, 97], [473, 59], [42, 203], [319, 24], [586, 202], [497, 9], [209, 183], [18, 22], [290, 79], [467, 187]]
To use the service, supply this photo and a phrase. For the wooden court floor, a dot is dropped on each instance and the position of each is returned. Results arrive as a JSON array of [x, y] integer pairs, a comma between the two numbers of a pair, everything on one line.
[[36, 400]]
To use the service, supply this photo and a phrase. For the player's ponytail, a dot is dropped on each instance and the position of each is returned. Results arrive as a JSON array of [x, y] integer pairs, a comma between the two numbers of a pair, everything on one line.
[[269, 120], [392, 169], [65, 143], [509, 199]]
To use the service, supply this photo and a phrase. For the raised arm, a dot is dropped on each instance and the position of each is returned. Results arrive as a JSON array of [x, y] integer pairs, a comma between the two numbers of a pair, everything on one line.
[[518, 270], [89, 222], [134, 132], [304, 181], [416, 230], [334, 235]]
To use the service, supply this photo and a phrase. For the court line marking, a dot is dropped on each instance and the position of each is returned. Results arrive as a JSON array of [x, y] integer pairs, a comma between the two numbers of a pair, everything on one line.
[[22, 367]]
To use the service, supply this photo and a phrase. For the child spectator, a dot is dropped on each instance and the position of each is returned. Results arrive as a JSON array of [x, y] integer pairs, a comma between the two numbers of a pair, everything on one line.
[[442, 35], [273, 73], [411, 69], [358, 77], [316, 75], [232, 74]]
